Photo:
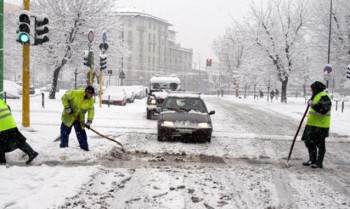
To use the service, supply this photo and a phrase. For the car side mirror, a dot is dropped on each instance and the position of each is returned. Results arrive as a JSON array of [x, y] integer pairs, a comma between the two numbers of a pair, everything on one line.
[[212, 112]]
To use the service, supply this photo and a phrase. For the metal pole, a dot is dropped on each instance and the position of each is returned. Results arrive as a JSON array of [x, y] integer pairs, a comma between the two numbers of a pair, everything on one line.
[[75, 78], [100, 88], [330, 31], [1, 47], [26, 78]]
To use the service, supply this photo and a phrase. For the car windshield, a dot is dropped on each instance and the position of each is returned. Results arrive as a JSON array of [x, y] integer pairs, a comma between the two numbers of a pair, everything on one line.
[[184, 105]]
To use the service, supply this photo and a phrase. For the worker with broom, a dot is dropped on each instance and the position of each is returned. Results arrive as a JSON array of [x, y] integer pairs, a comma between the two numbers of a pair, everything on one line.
[[317, 125], [76, 104]]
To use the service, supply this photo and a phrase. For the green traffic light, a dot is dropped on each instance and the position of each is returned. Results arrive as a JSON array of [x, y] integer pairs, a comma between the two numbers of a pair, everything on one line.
[[23, 38]]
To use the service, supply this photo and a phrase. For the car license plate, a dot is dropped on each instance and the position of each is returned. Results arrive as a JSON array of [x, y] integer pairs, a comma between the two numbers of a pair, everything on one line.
[[185, 131]]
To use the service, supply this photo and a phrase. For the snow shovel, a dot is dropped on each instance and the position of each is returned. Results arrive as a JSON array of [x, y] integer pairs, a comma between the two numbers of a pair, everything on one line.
[[93, 130], [296, 134], [106, 137]]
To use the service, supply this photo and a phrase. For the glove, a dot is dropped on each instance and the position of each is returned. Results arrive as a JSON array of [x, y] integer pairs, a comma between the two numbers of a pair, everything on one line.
[[68, 110], [310, 103], [88, 124]]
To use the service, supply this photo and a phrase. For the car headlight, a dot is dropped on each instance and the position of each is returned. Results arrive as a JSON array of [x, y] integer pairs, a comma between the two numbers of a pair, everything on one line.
[[153, 101], [203, 125], [168, 124]]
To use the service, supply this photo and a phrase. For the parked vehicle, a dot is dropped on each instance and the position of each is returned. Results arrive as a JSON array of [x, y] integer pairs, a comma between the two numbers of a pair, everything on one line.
[[185, 116], [159, 89], [12, 89], [130, 94], [31, 88], [139, 91], [114, 95]]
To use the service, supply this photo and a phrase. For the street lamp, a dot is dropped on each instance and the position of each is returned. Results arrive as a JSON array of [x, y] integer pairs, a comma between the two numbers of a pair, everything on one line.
[[329, 37], [122, 74]]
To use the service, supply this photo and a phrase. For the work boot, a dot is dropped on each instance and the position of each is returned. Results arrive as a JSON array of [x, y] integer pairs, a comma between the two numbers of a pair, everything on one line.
[[316, 166], [31, 157], [2, 161], [85, 148], [307, 163]]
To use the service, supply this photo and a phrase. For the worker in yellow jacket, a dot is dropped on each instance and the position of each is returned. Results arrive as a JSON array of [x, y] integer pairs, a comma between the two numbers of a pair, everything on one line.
[[76, 104], [317, 125], [10, 137]]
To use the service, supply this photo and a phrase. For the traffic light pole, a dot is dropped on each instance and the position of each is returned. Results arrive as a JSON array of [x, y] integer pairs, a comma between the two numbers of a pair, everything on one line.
[[26, 77], [100, 88], [1, 47]]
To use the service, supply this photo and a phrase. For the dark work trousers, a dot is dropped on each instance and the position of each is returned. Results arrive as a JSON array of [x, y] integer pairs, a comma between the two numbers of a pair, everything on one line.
[[11, 140], [320, 145], [80, 133], [315, 139]]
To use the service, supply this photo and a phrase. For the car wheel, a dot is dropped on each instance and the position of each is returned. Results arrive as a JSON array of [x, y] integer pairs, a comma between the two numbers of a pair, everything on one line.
[[160, 136], [209, 139], [149, 114]]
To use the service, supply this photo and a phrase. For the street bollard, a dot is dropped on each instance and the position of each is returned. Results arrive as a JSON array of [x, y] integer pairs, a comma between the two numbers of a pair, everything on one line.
[[336, 105], [43, 100]]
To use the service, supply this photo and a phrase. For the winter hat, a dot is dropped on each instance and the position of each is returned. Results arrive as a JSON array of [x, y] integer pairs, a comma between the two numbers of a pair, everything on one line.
[[90, 89], [318, 86]]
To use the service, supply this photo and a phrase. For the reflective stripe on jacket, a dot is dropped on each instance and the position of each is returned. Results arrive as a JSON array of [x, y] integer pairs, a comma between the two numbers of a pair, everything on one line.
[[317, 119], [6, 120], [75, 99]]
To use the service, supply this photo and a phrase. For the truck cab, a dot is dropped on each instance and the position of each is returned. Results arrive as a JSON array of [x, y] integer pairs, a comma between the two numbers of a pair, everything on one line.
[[160, 87]]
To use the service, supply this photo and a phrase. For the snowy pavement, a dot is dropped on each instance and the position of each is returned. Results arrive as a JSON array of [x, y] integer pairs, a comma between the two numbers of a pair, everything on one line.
[[241, 168]]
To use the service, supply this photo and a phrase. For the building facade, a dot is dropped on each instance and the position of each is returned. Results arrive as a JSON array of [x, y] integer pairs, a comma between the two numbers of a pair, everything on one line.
[[153, 49]]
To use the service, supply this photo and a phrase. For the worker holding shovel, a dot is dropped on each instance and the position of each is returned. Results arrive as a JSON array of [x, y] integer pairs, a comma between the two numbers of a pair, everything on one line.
[[317, 125], [76, 104]]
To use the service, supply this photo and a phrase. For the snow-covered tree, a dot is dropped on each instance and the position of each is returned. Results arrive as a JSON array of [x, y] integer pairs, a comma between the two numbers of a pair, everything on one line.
[[272, 33], [340, 36], [70, 22], [279, 28]]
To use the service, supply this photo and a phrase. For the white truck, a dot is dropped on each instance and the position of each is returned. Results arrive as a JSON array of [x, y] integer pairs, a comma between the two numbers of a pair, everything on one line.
[[160, 86]]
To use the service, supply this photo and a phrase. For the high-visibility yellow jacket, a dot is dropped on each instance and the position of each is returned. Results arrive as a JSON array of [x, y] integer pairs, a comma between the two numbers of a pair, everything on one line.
[[76, 100], [6, 119], [317, 119]]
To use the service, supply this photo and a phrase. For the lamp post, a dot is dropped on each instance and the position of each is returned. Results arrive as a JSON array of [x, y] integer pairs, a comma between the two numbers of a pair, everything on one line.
[[122, 74], [329, 36]]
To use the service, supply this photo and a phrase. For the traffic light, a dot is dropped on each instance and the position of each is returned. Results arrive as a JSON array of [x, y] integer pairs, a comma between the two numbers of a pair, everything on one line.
[[208, 62], [88, 58], [41, 30], [23, 27], [348, 72], [103, 62]]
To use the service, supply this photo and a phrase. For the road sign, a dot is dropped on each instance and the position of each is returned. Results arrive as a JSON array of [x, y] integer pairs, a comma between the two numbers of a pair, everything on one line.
[[348, 72], [327, 68], [104, 36], [103, 46], [90, 36], [122, 75]]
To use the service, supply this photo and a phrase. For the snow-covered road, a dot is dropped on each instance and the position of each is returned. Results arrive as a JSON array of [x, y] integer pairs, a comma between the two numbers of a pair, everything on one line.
[[243, 166]]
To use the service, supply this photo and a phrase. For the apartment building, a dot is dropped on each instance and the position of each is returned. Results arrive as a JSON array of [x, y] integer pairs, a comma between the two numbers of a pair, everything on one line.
[[153, 48]]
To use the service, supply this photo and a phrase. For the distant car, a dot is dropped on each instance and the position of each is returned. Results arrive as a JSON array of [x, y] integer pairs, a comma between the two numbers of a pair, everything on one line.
[[12, 89], [130, 94], [114, 95], [31, 88], [159, 89], [45, 88], [185, 116]]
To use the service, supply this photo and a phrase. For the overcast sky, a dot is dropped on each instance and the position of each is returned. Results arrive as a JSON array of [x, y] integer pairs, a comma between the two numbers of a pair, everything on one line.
[[197, 22]]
